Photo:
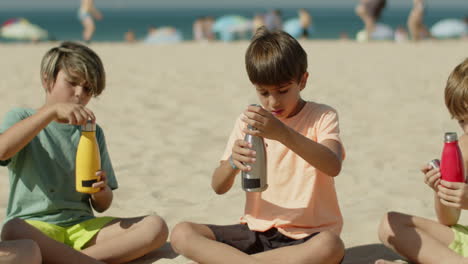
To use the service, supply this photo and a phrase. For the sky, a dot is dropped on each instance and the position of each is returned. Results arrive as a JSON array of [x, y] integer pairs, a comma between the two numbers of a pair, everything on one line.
[[47, 4]]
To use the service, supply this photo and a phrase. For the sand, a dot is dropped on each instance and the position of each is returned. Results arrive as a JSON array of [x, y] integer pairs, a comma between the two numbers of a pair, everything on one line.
[[167, 112]]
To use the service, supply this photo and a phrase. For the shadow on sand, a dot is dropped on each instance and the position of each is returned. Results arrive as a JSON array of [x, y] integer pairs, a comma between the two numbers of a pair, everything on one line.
[[368, 254], [164, 252]]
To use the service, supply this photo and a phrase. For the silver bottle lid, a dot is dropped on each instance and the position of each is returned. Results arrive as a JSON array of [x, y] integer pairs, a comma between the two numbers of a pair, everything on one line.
[[435, 163], [90, 126], [450, 137]]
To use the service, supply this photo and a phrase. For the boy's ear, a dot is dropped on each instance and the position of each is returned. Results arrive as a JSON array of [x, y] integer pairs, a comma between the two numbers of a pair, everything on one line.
[[45, 85], [304, 78]]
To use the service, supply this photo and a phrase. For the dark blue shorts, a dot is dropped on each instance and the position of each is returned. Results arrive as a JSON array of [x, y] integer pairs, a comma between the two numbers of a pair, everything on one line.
[[251, 242]]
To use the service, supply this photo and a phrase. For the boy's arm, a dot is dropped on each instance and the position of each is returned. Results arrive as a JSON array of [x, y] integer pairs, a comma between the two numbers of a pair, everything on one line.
[[223, 177], [325, 156], [102, 200], [20, 134], [446, 215]]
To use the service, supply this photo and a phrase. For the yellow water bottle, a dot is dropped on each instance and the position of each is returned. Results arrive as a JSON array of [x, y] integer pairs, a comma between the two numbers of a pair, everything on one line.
[[88, 159]]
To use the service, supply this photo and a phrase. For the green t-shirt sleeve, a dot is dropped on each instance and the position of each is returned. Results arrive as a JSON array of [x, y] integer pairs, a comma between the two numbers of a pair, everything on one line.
[[106, 164], [12, 117]]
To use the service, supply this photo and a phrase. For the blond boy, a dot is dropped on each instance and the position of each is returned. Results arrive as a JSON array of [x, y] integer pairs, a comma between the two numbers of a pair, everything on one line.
[[39, 148], [445, 241]]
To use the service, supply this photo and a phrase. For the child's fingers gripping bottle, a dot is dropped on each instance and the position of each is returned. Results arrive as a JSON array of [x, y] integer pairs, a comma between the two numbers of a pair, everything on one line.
[[88, 159], [451, 167], [255, 180]]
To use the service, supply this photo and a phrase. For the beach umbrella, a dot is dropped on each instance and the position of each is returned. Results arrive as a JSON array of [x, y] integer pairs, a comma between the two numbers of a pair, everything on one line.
[[293, 27], [449, 28], [229, 26], [22, 29], [164, 35]]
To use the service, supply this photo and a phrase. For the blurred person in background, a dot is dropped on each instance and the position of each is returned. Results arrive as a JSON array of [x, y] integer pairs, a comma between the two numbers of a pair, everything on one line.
[[370, 11], [258, 21], [273, 20], [305, 20], [416, 26], [86, 14]]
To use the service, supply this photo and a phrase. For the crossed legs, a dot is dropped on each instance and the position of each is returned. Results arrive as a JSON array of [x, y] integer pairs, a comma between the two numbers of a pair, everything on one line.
[[197, 242]]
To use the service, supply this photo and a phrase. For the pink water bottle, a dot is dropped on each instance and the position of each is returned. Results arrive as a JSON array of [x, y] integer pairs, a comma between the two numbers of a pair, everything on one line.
[[451, 166]]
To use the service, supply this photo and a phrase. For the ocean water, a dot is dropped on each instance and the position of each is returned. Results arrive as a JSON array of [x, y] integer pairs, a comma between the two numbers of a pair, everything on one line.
[[329, 22]]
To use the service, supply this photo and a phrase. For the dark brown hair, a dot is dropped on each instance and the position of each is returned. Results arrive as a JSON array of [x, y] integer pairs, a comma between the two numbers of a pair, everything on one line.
[[274, 58]]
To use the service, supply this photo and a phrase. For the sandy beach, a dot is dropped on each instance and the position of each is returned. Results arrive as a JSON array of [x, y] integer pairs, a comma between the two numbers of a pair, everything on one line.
[[167, 112]]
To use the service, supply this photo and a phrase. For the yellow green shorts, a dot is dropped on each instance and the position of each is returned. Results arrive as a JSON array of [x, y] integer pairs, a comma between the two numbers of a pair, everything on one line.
[[75, 236], [460, 242]]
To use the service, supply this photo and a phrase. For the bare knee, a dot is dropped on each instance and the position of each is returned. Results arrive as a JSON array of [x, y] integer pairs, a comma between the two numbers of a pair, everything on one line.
[[389, 223], [20, 251], [12, 229], [33, 251], [330, 248], [181, 235], [156, 230]]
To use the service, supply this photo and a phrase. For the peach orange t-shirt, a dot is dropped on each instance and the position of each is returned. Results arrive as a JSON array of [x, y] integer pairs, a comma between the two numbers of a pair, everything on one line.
[[300, 200]]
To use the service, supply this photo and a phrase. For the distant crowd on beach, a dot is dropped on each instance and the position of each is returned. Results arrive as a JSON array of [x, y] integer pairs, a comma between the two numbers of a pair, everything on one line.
[[301, 26], [232, 27]]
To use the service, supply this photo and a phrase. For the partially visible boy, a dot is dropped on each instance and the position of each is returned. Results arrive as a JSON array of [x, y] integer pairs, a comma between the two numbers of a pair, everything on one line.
[[297, 219], [423, 240], [39, 148]]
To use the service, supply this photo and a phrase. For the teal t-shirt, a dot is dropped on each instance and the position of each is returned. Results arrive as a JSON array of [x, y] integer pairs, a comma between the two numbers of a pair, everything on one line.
[[42, 174]]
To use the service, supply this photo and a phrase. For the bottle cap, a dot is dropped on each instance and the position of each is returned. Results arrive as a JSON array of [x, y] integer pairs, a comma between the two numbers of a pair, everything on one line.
[[435, 163], [450, 137], [90, 126]]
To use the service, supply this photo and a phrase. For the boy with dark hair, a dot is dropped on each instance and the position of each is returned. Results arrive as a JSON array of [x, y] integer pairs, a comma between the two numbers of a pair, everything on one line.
[[297, 219]]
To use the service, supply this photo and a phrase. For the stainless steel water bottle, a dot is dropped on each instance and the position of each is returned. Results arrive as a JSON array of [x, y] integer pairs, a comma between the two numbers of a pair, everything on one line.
[[88, 159], [451, 163], [255, 180]]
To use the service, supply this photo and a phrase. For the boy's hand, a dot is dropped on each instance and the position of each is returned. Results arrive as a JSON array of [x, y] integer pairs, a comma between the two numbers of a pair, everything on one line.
[[453, 194], [101, 184], [73, 114], [267, 125], [242, 155], [431, 176]]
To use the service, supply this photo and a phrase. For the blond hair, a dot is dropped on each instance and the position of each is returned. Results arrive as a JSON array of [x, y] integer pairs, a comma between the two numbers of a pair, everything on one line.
[[80, 63], [274, 58], [456, 91]]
